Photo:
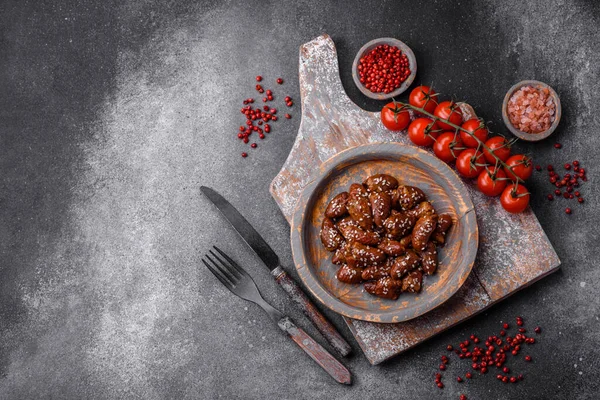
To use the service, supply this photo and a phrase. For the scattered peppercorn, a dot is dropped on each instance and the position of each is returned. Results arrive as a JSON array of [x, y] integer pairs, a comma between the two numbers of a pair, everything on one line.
[[484, 358], [258, 116]]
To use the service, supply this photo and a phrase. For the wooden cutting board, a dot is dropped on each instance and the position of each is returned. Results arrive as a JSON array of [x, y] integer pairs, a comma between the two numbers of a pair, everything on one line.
[[513, 251]]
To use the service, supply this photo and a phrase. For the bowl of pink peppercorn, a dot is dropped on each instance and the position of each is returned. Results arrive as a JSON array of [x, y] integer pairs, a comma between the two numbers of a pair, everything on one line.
[[384, 68], [531, 110]]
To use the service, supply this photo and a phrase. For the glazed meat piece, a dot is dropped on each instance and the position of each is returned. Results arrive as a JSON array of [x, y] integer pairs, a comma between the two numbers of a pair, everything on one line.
[[412, 282], [330, 236], [405, 264], [423, 230], [359, 209], [348, 274], [366, 255], [395, 195], [337, 206], [352, 233], [385, 287], [443, 225], [422, 209], [398, 224], [375, 272], [381, 205], [429, 259], [406, 241], [381, 183], [410, 196], [339, 257], [357, 190], [391, 247], [384, 235], [345, 222]]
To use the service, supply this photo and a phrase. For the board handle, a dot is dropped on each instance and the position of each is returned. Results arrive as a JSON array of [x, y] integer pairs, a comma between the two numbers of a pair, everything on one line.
[[311, 311]]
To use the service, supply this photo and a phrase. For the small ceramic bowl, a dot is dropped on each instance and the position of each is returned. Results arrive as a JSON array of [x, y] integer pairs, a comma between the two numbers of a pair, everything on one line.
[[412, 63], [531, 137]]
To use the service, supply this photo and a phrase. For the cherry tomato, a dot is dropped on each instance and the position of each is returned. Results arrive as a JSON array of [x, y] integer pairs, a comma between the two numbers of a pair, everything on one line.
[[450, 111], [477, 128], [394, 117], [515, 198], [423, 97], [470, 163], [448, 146], [520, 165], [491, 181], [499, 146], [423, 132]]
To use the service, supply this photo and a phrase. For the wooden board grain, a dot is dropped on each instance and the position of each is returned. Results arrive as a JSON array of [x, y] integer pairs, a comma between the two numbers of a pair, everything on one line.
[[513, 250]]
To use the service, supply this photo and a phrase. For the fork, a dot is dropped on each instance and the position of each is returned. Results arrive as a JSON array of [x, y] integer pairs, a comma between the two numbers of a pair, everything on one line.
[[240, 283]]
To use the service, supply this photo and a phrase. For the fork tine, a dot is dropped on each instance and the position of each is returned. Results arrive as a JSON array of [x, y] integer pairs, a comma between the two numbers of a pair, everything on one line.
[[232, 270], [233, 263], [224, 269], [218, 275]]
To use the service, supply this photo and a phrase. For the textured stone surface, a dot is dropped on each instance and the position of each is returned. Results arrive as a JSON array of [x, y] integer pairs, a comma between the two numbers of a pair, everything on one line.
[[113, 113]]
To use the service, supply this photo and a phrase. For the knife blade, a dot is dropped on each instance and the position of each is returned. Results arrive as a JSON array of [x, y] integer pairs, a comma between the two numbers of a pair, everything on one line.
[[271, 260], [243, 227]]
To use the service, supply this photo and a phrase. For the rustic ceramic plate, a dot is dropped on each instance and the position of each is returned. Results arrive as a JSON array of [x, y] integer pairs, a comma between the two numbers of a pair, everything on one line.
[[411, 166]]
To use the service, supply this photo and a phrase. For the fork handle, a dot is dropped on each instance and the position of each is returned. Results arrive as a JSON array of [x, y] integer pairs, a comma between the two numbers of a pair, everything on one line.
[[310, 310], [332, 366]]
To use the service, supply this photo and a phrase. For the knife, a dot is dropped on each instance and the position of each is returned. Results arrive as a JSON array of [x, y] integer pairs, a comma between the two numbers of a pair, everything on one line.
[[271, 260]]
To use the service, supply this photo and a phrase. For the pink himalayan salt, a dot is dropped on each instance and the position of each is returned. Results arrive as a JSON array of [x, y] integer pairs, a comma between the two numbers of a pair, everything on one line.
[[531, 110]]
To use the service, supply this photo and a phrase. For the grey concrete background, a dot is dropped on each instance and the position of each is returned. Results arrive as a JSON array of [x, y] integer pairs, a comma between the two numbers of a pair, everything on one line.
[[113, 113]]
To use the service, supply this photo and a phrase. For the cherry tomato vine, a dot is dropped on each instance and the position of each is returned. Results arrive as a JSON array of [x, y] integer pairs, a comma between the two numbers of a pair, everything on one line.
[[515, 197]]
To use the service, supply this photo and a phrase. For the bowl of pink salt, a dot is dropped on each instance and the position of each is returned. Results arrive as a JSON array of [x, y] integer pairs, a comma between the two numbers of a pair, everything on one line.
[[531, 110]]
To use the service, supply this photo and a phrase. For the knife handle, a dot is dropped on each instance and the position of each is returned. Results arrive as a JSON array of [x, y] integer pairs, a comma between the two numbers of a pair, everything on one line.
[[332, 366], [323, 325]]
